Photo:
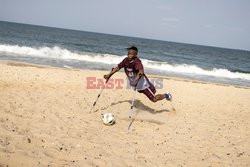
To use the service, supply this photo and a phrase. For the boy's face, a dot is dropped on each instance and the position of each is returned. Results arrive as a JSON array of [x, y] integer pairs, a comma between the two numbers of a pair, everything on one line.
[[131, 54]]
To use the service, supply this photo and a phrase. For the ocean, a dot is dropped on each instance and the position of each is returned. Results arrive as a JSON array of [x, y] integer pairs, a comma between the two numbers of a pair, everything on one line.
[[88, 50]]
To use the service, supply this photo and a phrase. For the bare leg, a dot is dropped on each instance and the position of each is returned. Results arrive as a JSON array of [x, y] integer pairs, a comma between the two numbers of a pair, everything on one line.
[[159, 97]]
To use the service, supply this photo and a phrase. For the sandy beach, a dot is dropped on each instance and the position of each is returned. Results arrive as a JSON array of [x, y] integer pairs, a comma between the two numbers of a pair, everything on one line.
[[45, 121]]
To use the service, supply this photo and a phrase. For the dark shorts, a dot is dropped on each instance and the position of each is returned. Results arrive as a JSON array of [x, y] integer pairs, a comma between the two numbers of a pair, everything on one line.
[[148, 93]]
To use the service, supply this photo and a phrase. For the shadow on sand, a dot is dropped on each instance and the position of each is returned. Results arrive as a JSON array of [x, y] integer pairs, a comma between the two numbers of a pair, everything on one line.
[[139, 105]]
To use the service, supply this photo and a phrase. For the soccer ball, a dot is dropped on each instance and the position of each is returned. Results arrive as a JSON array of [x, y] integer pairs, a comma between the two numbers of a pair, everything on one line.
[[108, 118]]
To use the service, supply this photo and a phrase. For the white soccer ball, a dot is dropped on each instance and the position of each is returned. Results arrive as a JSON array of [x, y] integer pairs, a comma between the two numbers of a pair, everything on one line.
[[108, 118]]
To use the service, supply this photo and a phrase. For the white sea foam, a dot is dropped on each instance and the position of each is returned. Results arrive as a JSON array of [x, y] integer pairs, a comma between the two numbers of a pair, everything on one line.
[[59, 53], [193, 69], [64, 54]]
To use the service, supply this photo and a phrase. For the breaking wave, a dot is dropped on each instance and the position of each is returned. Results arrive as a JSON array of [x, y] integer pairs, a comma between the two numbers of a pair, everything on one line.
[[67, 55]]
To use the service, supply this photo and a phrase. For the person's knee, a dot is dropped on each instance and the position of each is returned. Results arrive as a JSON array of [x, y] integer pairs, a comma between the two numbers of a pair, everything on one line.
[[154, 99]]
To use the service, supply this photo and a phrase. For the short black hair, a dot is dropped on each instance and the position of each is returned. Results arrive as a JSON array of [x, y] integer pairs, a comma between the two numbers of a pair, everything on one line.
[[133, 48]]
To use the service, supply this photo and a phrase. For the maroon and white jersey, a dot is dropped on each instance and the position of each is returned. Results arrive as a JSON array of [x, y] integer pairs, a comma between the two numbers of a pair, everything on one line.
[[132, 68]]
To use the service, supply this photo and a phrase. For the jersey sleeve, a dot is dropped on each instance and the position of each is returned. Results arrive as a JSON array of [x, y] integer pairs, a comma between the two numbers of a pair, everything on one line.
[[138, 65], [121, 64]]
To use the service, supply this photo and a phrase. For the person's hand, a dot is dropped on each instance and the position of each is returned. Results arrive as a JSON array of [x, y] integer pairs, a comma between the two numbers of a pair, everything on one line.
[[107, 76]]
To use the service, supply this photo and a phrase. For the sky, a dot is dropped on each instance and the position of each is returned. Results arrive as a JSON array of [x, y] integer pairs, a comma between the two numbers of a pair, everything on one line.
[[220, 23]]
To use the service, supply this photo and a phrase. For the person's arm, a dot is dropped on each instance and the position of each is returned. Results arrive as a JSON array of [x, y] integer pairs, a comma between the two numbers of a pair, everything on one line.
[[139, 67], [139, 75], [114, 70]]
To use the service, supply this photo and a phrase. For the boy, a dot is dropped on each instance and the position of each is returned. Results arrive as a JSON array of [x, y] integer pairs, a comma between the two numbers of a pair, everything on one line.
[[134, 70]]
